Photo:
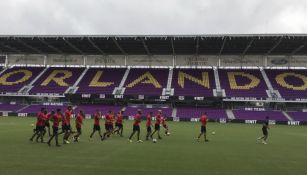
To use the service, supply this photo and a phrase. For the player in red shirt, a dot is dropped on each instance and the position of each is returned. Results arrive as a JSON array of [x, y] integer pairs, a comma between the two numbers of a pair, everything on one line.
[[136, 127], [148, 125], [56, 118], [40, 124], [119, 124], [157, 124], [79, 122], [203, 119], [163, 119], [47, 123], [108, 125], [66, 125], [97, 117]]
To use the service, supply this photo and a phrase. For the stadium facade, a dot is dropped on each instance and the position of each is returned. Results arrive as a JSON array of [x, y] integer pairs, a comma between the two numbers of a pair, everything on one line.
[[237, 78]]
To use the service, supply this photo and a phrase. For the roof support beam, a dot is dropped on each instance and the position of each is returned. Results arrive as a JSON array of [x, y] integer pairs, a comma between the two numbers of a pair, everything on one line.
[[95, 46], [298, 49], [118, 46], [275, 45], [145, 46], [248, 46], [197, 46], [10, 47], [28, 46], [50, 46], [73, 46], [173, 45], [223, 45]]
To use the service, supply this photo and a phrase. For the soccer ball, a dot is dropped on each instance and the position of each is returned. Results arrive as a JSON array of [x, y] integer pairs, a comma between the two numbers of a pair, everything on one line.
[[168, 133], [32, 124], [213, 133], [154, 140]]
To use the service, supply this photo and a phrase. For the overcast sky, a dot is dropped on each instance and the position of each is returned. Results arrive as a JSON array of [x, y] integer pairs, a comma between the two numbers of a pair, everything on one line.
[[129, 17]]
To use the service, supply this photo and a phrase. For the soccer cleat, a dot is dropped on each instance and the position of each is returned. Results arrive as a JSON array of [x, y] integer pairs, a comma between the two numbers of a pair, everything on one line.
[[129, 140], [58, 145], [48, 143], [140, 141], [264, 142], [66, 142], [206, 140]]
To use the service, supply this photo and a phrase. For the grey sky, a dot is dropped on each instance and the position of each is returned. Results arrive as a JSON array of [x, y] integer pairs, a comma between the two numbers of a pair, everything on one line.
[[152, 16]]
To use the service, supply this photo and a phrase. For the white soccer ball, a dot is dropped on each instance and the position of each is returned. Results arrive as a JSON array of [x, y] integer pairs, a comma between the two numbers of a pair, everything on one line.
[[32, 124], [154, 140], [213, 133]]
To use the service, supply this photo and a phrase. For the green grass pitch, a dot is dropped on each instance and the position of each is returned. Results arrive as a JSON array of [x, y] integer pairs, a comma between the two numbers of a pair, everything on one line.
[[232, 150]]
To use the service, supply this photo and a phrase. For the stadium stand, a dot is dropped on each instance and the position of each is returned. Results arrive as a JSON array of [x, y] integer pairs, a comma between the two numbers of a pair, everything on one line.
[[193, 82], [259, 115], [91, 109], [131, 111], [195, 112], [100, 81], [291, 84], [243, 83], [12, 80], [298, 116], [10, 107], [146, 81], [36, 108], [56, 80]]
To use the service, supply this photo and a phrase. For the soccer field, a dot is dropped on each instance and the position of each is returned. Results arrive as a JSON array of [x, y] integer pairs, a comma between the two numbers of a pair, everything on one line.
[[232, 150]]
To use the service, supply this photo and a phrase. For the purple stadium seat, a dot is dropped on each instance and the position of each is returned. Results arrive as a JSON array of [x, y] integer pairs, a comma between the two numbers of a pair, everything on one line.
[[187, 85], [143, 86], [243, 85], [292, 87], [10, 107], [111, 75], [37, 108], [298, 116], [52, 86], [15, 86], [131, 111], [259, 115], [91, 109], [196, 112]]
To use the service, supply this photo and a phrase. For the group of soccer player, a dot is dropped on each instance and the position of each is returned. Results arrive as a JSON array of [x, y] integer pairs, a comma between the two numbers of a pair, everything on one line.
[[43, 125], [44, 118]]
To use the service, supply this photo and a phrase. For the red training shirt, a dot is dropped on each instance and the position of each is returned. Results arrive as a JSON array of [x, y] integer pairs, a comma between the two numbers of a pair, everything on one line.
[[203, 120], [148, 120], [79, 120], [137, 120]]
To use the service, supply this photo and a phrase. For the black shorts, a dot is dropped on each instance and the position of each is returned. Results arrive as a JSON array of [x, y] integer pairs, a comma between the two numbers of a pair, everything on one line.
[[96, 128], [79, 130], [40, 128], [157, 127], [109, 127], [148, 128], [136, 128], [55, 130], [119, 125], [203, 129], [265, 131], [66, 128], [47, 124]]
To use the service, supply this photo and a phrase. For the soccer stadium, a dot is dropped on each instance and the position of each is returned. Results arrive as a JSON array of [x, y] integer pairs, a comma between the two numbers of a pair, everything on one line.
[[155, 104]]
